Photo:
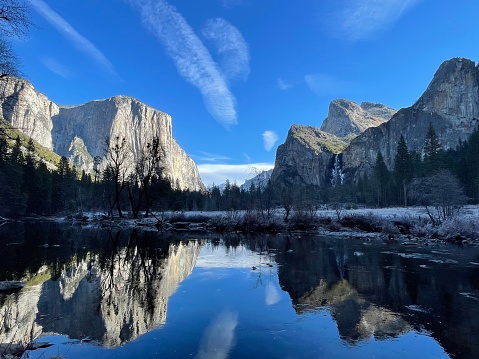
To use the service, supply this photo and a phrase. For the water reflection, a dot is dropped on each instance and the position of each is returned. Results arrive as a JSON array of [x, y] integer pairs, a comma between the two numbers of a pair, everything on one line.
[[218, 338], [242, 293], [112, 293], [382, 290]]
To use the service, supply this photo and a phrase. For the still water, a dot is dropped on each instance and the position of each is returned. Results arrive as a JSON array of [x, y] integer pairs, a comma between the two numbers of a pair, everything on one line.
[[117, 293]]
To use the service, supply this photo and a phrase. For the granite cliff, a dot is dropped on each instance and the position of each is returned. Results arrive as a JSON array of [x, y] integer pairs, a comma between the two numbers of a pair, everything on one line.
[[450, 103], [309, 154], [347, 118], [79, 132], [305, 156]]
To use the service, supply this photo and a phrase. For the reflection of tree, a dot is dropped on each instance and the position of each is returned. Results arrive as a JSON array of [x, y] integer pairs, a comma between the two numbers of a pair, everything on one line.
[[111, 286], [137, 278]]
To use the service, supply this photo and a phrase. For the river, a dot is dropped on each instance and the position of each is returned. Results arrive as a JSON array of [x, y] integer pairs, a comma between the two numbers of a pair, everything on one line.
[[123, 293]]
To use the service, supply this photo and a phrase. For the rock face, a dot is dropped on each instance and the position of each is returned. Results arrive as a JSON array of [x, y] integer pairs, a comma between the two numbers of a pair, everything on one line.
[[347, 118], [450, 104], [79, 132], [27, 109], [310, 155], [306, 156]]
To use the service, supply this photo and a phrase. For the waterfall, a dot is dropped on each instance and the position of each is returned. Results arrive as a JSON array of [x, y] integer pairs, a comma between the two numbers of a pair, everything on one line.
[[337, 175]]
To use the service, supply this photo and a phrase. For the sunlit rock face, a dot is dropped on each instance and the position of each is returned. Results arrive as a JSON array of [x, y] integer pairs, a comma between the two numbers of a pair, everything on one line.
[[347, 118], [27, 109], [450, 104], [79, 132]]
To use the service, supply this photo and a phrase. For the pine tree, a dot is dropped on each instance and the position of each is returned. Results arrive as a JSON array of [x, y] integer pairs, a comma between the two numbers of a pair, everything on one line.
[[403, 168], [382, 175], [433, 154], [16, 156]]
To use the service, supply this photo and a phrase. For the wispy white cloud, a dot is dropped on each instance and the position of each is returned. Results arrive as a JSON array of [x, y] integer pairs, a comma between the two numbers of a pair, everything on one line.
[[361, 18], [230, 3], [79, 41], [219, 173], [56, 67], [326, 85], [282, 84], [209, 157], [269, 139], [231, 47], [192, 59]]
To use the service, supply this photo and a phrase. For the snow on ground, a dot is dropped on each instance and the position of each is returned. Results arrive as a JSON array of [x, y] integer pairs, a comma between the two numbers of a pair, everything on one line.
[[386, 213]]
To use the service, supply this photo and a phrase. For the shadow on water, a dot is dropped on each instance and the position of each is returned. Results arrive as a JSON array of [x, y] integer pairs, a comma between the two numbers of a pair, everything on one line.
[[113, 286]]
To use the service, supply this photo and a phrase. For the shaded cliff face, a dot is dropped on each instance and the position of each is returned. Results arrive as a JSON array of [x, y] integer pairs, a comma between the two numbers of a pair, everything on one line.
[[79, 132], [309, 155], [347, 118], [450, 104], [306, 156]]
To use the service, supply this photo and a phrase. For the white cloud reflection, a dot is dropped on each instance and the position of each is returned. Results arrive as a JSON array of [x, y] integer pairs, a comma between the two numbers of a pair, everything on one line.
[[219, 337]]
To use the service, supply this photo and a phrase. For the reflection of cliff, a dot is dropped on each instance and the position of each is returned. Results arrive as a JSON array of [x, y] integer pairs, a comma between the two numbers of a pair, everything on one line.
[[384, 292], [357, 318], [118, 300], [112, 296], [17, 316]]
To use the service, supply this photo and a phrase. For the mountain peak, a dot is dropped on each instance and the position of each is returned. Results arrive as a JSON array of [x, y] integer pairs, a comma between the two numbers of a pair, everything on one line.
[[347, 118], [453, 91]]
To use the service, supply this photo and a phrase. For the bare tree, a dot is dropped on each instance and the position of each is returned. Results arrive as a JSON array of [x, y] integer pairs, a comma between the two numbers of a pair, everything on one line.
[[147, 168], [441, 194], [117, 160], [14, 22]]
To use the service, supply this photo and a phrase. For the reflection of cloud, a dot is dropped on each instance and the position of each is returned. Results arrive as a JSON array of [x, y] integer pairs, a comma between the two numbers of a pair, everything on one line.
[[271, 294], [241, 257], [327, 85], [218, 338], [219, 173], [72, 35], [361, 18], [192, 59], [269, 139], [231, 48]]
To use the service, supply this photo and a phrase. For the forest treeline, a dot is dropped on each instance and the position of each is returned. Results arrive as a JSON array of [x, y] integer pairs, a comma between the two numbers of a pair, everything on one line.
[[122, 186]]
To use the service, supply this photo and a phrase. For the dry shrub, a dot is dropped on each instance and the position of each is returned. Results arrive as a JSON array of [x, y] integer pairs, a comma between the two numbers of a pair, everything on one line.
[[303, 220]]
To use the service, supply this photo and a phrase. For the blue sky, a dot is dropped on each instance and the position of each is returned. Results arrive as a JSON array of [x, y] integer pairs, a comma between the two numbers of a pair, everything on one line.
[[236, 74]]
